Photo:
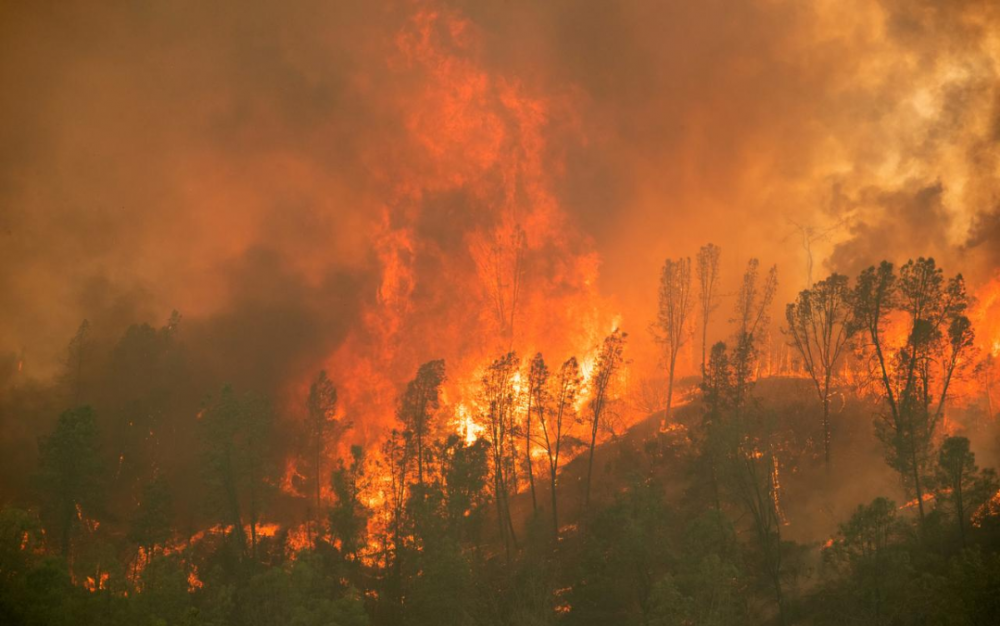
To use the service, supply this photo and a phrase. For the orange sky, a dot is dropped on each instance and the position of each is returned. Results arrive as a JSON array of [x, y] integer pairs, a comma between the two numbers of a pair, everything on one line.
[[319, 182]]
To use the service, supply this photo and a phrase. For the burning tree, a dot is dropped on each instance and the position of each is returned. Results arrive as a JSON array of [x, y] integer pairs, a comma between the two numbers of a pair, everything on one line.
[[556, 408], [708, 279], [609, 361], [349, 515], [501, 268], [537, 399], [672, 316], [820, 324], [499, 402], [150, 525], [321, 426], [417, 407], [937, 335], [751, 317]]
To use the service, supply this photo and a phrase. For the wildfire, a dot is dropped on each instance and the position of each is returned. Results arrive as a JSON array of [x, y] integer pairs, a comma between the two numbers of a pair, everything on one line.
[[467, 427], [927, 497], [193, 581], [94, 584]]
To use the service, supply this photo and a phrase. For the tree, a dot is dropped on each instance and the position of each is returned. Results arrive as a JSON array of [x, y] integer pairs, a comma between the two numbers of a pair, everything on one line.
[[609, 361], [142, 369], [708, 279], [396, 453], [672, 316], [349, 516], [150, 527], [322, 423], [70, 473], [499, 401], [909, 375], [867, 553], [501, 264], [751, 318], [960, 483], [552, 421], [418, 405], [79, 350], [236, 437], [743, 459], [538, 375], [820, 324], [465, 469]]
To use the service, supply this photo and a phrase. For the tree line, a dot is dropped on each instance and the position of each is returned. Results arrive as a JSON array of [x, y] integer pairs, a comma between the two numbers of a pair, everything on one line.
[[534, 521]]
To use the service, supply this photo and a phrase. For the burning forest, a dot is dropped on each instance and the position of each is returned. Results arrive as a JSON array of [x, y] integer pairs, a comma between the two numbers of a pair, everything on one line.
[[472, 313]]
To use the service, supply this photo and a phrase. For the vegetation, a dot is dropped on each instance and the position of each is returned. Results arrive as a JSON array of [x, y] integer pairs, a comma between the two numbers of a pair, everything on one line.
[[549, 514]]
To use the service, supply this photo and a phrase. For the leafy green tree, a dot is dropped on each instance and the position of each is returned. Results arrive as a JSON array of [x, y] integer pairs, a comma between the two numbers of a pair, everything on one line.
[[960, 482], [711, 593], [870, 560], [624, 551], [70, 474], [300, 593], [164, 597]]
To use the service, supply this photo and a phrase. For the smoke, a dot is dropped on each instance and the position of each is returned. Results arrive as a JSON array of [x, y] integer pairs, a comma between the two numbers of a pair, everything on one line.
[[331, 184]]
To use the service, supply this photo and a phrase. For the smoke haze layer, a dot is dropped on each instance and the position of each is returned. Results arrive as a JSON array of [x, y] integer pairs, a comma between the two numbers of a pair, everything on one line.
[[326, 185]]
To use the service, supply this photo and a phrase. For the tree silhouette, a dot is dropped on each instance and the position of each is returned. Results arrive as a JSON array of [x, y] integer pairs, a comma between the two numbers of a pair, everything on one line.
[[418, 404], [672, 318], [554, 421], [77, 354], [751, 317], [537, 403], [70, 473], [609, 361], [708, 285], [322, 423], [236, 436], [961, 483], [820, 324], [498, 398], [925, 363]]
